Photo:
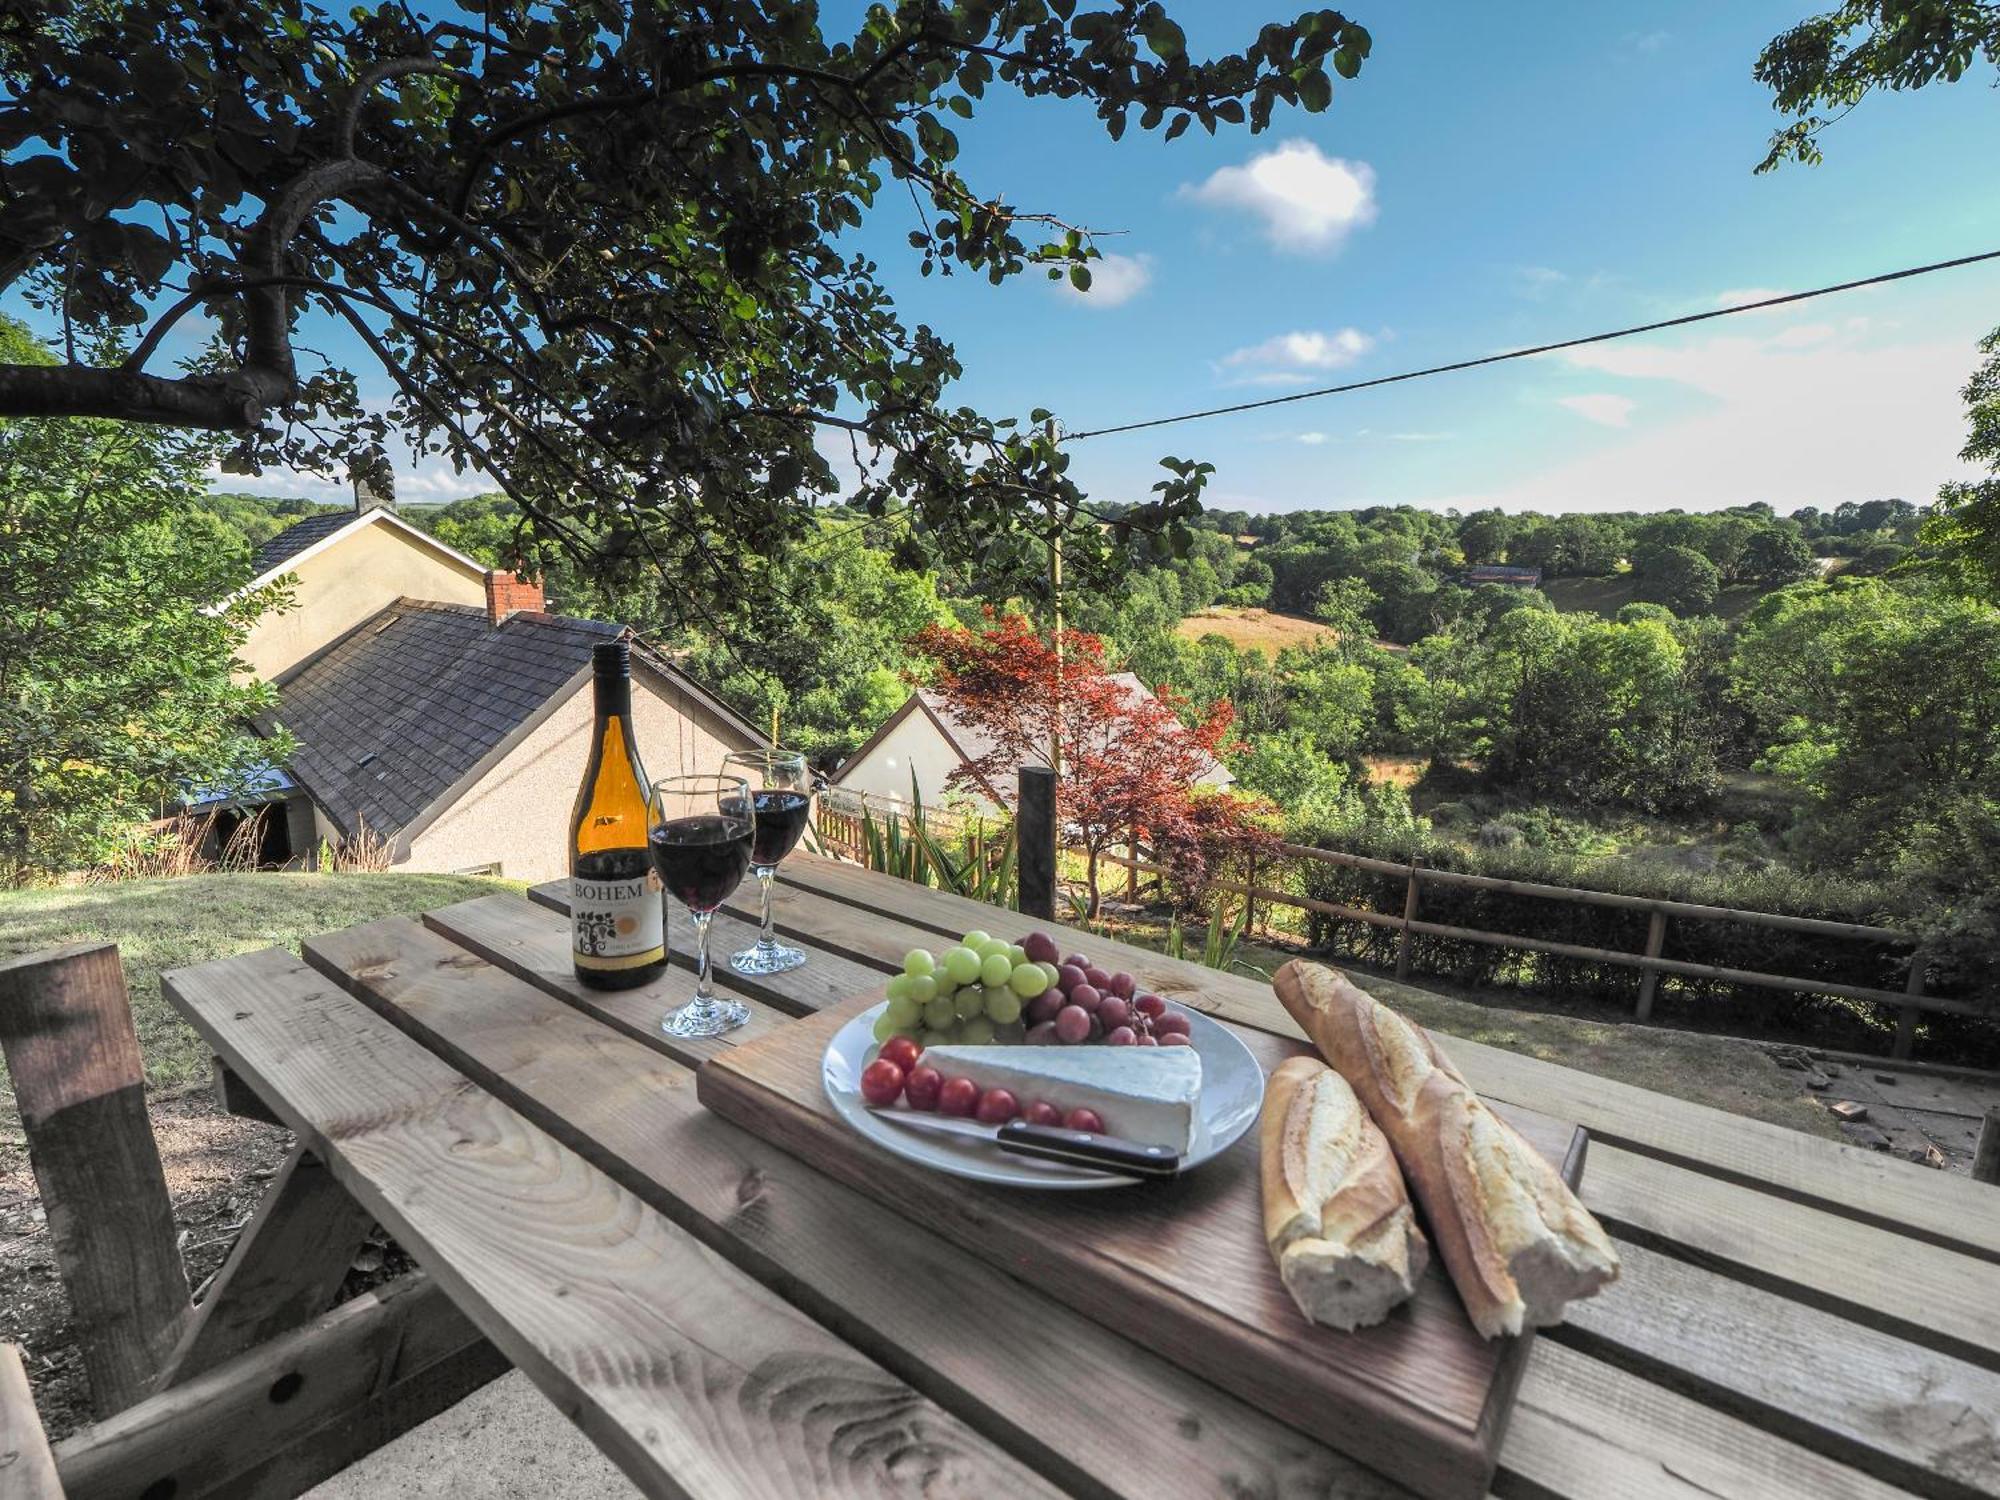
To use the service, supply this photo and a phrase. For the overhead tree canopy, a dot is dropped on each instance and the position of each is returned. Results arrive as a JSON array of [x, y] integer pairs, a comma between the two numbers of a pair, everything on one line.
[[596, 245], [1834, 61]]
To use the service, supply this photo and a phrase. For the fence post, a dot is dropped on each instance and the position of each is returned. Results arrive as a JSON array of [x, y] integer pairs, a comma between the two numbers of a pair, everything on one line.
[[1409, 916], [1906, 1018], [1132, 868], [1986, 1155], [66, 1029], [1036, 862], [1649, 979], [1250, 895]]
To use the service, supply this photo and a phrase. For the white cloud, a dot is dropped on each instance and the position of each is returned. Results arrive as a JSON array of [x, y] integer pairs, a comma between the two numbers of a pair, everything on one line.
[[1114, 280], [1650, 41], [1308, 201], [1808, 415], [1418, 437], [1303, 349], [1605, 410], [1313, 439], [433, 481], [1536, 282]]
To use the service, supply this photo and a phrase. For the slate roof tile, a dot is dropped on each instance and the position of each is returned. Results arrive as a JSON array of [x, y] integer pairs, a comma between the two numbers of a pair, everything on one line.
[[397, 711], [294, 539]]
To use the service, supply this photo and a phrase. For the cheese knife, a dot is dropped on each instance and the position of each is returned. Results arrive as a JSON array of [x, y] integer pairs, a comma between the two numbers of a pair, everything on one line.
[[1076, 1148]]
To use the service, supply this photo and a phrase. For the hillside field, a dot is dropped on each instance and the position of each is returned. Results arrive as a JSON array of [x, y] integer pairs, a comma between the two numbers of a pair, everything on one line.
[[1264, 629]]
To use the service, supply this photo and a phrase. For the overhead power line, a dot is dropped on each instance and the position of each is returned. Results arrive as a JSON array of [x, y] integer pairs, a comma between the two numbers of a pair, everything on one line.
[[1494, 359]]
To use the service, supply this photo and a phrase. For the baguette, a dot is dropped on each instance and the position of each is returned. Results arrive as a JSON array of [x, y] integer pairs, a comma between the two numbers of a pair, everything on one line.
[[1336, 1215], [1515, 1239]]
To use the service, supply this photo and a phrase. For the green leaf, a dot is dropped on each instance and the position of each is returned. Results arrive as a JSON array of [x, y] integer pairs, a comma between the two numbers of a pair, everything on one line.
[[1315, 90], [1079, 277], [1165, 38]]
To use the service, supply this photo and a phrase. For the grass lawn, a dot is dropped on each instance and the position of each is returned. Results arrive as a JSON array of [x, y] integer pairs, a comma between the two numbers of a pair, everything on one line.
[[169, 924]]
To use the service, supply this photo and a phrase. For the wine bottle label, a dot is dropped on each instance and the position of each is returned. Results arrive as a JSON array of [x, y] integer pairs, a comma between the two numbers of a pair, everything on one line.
[[617, 924]]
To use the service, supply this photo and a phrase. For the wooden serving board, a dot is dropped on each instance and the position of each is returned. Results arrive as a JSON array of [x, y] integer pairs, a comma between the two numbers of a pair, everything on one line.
[[1181, 1268]]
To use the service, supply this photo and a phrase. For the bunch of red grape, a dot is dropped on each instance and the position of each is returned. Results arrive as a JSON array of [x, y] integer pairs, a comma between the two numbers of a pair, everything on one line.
[[1085, 1004], [898, 1072]]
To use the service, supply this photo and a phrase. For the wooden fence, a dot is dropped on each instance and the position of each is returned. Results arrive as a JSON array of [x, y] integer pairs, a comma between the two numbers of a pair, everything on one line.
[[1909, 1003], [840, 828]]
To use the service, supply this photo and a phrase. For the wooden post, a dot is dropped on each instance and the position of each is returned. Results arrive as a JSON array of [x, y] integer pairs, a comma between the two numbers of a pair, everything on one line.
[[1250, 896], [1409, 915], [1132, 869], [1986, 1155], [285, 1268], [1649, 979], [1036, 861], [1906, 1018], [66, 1028]]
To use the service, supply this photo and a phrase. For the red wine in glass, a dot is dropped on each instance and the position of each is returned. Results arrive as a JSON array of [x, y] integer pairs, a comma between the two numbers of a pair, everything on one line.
[[699, 831], [701, 859], [781, 788], [782, 816]]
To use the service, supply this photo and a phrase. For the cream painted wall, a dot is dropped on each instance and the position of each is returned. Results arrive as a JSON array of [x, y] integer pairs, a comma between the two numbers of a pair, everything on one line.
[[517, 815], [884, 773], [366, 569]]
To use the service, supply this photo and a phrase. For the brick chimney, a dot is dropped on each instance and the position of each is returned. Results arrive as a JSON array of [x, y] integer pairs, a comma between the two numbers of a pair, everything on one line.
[[507, 595]]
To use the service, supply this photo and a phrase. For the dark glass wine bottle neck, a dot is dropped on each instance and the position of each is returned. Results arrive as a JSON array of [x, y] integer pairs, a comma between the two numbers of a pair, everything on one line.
[[614, 699]]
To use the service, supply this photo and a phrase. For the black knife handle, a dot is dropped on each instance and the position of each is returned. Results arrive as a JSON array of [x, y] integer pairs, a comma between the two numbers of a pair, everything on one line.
[[1088, 1148]]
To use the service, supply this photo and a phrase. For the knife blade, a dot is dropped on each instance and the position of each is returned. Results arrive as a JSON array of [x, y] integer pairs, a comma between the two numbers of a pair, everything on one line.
[[1077, 1148]]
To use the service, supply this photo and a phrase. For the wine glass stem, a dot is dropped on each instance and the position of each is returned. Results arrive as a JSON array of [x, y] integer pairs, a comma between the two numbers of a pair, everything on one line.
[[766, 876], [703, 993]]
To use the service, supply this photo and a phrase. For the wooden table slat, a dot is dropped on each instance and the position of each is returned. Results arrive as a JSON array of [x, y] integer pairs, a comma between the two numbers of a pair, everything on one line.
[[998, 1352], [694, 1378], [533, 944], [1850, 1181], [1913, 1290], [1586, 1428], [1906, 1414], [650, 1136]]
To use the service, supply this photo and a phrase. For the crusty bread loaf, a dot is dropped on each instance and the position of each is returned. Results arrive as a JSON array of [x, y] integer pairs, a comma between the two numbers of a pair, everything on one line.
[[1336, 1215], [1517, 1243]]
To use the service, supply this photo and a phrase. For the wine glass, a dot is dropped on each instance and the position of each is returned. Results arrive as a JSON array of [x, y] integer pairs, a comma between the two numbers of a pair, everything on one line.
[[781, 788], [699, 830]]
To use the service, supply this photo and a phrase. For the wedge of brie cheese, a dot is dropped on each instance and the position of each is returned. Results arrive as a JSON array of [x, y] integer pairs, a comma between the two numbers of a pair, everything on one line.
[[1145, 1094]]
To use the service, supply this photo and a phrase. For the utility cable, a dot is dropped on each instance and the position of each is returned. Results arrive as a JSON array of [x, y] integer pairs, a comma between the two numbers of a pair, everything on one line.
[[1494, 359]]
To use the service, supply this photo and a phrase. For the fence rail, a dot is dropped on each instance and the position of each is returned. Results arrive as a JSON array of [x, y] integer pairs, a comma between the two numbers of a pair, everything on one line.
[[840, 827]]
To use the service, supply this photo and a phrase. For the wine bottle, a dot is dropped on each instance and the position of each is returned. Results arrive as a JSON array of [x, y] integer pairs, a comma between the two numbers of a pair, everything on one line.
[[618, 914]]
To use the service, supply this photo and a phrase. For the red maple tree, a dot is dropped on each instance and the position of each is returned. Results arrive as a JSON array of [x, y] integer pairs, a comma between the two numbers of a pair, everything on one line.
[[1129, 763]]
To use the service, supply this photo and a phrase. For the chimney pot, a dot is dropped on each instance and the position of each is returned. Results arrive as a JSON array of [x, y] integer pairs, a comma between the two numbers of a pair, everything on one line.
[[507, 595]]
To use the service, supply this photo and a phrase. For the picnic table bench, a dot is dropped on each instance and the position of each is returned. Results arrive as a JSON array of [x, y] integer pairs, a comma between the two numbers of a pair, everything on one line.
[[1797, 1316]]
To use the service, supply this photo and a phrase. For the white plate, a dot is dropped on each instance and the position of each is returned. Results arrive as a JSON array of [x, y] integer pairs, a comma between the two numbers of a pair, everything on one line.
[[1232, 1088]]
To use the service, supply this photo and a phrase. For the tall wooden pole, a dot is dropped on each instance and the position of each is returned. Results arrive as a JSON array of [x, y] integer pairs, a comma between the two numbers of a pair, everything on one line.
[[1055, 617], [1035, 826]]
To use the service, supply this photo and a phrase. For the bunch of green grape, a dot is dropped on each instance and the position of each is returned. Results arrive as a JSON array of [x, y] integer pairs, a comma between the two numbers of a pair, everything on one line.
[[972, 993]]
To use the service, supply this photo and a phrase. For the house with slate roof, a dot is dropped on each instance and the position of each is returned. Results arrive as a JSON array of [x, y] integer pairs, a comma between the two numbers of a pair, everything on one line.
[[925, 740], [439, 707]]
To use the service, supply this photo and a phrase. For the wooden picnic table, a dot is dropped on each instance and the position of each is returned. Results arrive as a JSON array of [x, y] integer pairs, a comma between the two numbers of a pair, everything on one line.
[[1797, 1317]]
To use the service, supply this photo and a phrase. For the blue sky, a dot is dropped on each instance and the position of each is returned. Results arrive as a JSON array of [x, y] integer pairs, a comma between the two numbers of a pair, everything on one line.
[[1498, 176], [1532, 172]]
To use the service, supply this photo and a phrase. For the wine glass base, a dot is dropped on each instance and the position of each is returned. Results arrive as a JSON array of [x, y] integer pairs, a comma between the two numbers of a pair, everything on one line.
[[773, 958], [705, 1018]]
